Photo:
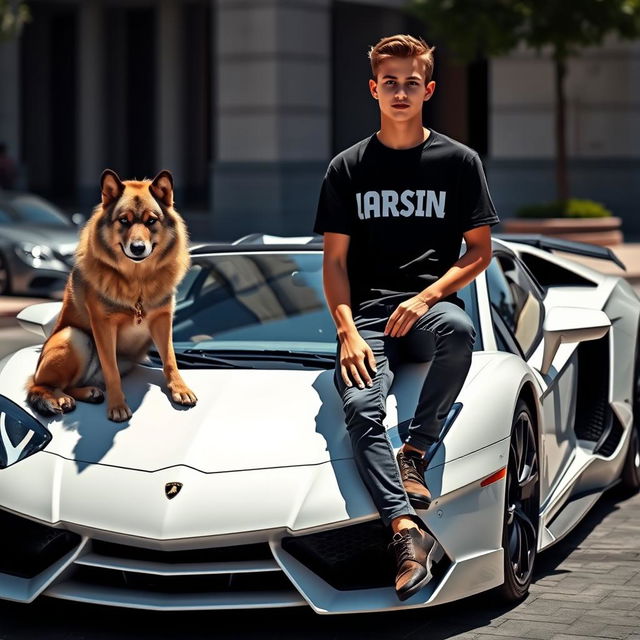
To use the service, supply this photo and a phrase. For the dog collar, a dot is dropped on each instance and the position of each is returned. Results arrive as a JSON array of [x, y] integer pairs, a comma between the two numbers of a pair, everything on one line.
[[139, 310]]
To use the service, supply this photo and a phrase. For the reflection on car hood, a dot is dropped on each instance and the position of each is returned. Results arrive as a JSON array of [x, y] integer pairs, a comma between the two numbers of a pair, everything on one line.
[[60, 238], [245, 419]]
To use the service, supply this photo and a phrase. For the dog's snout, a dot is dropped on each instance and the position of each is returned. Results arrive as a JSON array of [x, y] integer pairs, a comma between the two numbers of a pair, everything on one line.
[[137, 248]]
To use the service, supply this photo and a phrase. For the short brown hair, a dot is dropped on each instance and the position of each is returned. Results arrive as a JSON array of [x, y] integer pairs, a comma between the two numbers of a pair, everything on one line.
[[402, 46]]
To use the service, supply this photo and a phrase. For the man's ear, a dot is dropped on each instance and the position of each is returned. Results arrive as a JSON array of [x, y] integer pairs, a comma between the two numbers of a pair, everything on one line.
[[373, 88], [162, 188], [111, 187], [429, 89]]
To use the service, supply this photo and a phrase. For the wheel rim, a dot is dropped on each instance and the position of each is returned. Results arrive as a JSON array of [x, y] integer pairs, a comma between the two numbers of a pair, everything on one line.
[[522, 499]]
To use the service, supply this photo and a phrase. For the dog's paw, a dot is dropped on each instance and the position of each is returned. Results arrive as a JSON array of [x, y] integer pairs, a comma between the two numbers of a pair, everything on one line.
[[119, 412], [66, 403], [181, 394], [49, 407], [95, 395]]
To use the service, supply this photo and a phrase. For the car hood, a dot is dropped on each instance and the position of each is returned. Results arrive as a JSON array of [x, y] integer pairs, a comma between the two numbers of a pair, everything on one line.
[[245, 418], [61, 238]]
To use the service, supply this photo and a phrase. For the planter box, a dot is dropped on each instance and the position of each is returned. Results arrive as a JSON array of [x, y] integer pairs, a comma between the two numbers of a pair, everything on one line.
[[600, 231]]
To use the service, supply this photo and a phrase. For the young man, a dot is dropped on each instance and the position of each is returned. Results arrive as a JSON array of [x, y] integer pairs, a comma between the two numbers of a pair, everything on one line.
[[393, 210]]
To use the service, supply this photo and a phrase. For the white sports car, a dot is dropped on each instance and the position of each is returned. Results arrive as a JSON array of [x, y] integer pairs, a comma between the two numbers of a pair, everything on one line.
[[252, 498]]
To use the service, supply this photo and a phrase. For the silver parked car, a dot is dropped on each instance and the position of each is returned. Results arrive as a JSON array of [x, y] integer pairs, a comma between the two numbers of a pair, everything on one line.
[[37, 244]]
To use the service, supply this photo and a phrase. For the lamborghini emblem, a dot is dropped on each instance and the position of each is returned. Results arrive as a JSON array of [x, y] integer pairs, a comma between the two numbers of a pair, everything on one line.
[[172, 489]]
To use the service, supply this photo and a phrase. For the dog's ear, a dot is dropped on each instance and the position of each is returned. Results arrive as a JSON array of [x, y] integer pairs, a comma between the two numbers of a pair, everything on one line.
[[162, 188], [111, 187]]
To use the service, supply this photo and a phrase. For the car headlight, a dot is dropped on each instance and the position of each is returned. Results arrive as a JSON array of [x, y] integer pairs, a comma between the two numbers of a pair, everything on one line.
[[35, 255], [21, 435]]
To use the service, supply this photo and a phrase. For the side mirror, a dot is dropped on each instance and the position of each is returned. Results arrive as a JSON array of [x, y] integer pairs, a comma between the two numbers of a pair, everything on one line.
[[570, 324], [40, 318], [78, 219]]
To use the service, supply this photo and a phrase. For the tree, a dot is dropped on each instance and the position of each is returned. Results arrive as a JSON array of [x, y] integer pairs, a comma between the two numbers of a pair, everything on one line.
[[473, 28], [13, 16]]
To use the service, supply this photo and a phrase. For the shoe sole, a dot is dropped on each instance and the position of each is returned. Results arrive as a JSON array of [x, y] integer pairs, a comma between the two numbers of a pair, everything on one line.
[[419, 502], [405, 595]]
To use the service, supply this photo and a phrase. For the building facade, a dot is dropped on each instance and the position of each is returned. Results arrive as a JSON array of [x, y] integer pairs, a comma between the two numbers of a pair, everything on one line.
[[245, 101]]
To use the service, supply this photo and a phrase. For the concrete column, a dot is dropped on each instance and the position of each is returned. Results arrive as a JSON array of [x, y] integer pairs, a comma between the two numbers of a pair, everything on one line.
[[169, 91], [272, 109], [9, 100], [91, 103]]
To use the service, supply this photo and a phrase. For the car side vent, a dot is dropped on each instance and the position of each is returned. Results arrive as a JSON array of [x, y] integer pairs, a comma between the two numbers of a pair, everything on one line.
[[593, 413], [612, 440]]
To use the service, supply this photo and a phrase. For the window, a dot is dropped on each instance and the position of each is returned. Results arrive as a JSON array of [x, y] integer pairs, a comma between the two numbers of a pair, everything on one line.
[[515, 300]]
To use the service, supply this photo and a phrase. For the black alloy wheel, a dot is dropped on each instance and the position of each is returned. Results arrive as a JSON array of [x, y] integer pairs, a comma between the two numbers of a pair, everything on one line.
[[630, 475], [4, 276], [522, 500]]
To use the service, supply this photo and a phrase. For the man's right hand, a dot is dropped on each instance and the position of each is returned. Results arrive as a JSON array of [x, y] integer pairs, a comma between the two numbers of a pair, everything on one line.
[[355, 356]]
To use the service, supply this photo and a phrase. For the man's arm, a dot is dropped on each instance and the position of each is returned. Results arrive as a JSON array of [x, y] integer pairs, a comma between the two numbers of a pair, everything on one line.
[[354, 352], [473, 262]]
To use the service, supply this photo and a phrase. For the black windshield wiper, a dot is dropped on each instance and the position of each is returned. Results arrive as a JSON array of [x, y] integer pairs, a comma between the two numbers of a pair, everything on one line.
[[191, 359], [241, 356]]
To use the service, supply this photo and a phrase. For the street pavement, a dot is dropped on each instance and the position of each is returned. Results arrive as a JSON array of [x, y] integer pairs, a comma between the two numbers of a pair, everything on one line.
[[587, 586]]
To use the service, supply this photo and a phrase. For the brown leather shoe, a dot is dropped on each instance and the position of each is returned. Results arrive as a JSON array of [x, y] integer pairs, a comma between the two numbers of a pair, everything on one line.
[[414, 549], [412, 468]]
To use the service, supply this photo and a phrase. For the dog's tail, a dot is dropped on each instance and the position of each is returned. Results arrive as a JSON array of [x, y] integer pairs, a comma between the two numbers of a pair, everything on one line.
[[42, 398]]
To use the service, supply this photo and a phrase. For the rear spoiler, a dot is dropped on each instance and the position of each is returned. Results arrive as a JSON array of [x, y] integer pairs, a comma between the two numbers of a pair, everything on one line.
[[549, 243]]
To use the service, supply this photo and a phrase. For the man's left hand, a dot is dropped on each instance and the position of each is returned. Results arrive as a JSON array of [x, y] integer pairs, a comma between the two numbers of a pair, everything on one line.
[[405, 316]]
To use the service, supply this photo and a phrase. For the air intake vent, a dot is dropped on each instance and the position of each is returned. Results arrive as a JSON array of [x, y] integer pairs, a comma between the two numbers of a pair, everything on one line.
[[30, 547], [245, 553], [353, 557], [593, 413], [612, 440]]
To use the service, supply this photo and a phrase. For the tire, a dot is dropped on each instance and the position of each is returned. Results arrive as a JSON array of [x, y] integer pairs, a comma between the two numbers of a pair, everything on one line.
[[5, 280], [630, 475], [521, 506]]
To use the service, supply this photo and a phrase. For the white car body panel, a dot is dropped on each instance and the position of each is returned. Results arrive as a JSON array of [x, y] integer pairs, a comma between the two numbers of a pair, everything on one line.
[[265, 456]]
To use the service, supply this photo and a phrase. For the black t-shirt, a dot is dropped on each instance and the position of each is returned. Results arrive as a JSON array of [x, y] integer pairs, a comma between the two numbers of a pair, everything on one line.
[[405, 210]]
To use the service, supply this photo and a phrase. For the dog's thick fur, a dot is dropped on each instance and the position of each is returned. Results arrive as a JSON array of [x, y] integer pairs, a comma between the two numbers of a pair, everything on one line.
[[118, 298]]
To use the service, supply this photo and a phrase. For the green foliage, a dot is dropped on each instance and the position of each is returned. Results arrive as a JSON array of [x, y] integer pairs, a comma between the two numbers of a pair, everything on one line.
[[13, 16], [572, 208], [470, 28]]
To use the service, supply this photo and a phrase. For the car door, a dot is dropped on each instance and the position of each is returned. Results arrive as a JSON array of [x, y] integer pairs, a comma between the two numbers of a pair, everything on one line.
[[518, 314]]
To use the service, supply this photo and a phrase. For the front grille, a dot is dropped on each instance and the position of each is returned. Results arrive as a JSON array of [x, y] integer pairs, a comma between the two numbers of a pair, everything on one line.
[[218, 577], [355, 557], [192, 584], [243, 553]]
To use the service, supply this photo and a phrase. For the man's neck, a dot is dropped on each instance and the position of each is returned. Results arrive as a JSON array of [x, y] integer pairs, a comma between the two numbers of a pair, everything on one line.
[[401, 135]]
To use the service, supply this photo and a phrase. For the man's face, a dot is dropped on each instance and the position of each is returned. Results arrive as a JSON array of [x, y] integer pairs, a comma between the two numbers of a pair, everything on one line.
[[400, 88]]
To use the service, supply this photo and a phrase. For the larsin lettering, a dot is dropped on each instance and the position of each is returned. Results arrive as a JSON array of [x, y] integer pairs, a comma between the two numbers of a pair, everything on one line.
[[388, 203]]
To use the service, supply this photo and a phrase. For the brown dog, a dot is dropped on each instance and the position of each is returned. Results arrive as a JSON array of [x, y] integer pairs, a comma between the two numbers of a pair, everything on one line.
[[119, 297]]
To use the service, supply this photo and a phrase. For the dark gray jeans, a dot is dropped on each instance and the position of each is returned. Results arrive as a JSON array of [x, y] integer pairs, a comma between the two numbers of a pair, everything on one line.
[[446, 335]]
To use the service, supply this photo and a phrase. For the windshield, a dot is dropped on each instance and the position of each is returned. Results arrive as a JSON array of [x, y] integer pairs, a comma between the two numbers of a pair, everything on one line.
[[264, 301], [35, 210]]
